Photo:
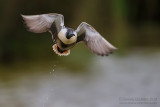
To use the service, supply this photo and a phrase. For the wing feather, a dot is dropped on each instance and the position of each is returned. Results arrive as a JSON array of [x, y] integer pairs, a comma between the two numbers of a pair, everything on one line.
[[52, 22], [42, 23], [93, 40]]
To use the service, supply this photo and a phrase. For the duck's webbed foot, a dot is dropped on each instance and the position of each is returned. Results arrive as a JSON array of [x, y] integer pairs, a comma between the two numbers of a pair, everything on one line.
[[60, 52]]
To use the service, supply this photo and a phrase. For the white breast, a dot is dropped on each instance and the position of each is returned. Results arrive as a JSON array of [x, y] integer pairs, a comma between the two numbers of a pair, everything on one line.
[[62, 37]]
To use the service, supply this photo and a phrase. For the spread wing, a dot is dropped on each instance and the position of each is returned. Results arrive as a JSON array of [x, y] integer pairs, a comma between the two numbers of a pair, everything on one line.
[[45, 22], [93, 40]]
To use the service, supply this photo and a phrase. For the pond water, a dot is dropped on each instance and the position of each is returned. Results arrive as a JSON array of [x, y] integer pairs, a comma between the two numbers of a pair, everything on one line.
[[129, 81]]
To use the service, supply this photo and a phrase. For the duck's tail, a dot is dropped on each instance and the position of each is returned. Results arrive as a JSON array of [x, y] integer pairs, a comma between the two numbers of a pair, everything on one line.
[[62, 53]]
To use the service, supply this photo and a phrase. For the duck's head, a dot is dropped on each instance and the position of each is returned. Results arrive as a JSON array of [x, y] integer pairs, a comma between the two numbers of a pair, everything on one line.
[[67, 36], [70, 33]]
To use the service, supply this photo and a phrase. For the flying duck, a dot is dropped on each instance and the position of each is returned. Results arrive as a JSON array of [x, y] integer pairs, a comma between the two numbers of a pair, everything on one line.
[[66, 38]]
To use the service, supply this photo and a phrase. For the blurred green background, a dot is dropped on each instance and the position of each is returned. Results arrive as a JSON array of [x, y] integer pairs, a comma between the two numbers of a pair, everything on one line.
[[126, 24], [32, 75]]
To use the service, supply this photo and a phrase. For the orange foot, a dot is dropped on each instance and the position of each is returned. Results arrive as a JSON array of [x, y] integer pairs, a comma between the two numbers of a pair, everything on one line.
[[65, 53]]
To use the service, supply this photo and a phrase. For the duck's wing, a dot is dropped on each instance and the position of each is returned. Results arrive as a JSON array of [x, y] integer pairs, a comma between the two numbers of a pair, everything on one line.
[[52, 22], [93, 40]]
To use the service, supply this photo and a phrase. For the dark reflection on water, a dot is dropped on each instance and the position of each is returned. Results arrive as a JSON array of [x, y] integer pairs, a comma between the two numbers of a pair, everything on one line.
[[100, 82]]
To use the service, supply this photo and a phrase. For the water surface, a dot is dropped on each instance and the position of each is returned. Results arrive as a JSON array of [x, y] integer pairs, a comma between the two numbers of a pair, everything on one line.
[[104, 82]]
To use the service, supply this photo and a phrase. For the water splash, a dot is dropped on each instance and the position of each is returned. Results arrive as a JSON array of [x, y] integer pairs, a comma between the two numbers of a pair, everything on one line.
[[50, 90]]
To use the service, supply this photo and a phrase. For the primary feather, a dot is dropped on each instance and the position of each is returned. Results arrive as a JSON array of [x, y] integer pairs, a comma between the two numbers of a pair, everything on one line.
[[42, 23], [93, 40]]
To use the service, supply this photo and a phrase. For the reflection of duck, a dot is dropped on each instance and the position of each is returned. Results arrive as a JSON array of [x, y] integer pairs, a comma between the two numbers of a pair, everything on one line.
[[65, 38]]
